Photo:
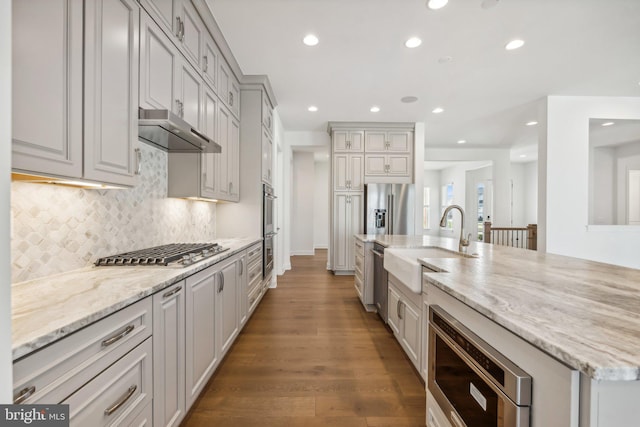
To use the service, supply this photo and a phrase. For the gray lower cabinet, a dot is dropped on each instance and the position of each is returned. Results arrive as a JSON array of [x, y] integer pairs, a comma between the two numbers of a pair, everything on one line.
[[405, 319], [202, 355], [103, 371], [79, 85], [169, 355]]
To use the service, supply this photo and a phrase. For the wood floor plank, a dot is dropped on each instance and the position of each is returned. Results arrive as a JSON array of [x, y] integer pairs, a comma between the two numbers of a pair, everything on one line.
[[312, 356]]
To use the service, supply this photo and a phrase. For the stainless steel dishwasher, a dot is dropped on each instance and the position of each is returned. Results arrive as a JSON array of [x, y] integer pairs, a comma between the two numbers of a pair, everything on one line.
[[380, 285]]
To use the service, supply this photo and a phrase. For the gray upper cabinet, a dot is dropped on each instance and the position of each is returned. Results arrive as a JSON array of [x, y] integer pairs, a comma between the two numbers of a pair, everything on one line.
[[191, 37], [47, 85], [158, 67], [229, 88], [210, 61], [87, 126], [111, 92]]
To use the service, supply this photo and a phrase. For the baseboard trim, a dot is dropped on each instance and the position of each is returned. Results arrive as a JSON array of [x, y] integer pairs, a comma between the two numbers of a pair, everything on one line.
[[303, 253]]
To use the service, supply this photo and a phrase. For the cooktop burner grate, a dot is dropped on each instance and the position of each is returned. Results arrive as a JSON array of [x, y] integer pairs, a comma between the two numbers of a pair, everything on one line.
[[185, 253]]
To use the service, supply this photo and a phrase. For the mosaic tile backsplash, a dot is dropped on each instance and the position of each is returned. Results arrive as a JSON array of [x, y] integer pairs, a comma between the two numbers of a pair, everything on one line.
[[57, 229]]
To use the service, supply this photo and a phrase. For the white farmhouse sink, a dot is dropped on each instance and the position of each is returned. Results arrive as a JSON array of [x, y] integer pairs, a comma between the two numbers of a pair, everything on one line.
[[403, 263]]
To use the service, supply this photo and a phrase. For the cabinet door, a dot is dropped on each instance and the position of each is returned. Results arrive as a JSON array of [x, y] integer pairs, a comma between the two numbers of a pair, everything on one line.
[[399, 165], [47, 86], [411, 332], [267, 114], [400, 142], [375, 164], [355, 227], [340, 172], [241, 290], [200, 326], [189, 90], [227, 305], [158, 67], [228, 88], [191, 37], [169, 355], [164, 12], [356, 140], [111, 90], [375, 141], [356, 172], [210, 111], [394, 307], [234, 160], [341, 225], [221, 159], [210, 59], [267, 156], [340, 140]]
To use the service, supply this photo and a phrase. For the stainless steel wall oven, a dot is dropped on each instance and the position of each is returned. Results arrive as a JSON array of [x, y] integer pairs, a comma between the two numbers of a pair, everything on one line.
[[268, 233], [474, 384]]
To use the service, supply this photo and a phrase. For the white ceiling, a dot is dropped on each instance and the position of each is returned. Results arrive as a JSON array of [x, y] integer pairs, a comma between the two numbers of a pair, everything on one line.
[[573, 47]]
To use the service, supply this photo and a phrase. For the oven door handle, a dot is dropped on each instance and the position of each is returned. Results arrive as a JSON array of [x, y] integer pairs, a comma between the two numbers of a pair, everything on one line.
[[270, 234]]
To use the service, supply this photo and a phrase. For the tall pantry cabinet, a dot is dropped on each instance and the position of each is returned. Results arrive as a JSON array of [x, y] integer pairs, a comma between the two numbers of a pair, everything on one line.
[[363, 153]]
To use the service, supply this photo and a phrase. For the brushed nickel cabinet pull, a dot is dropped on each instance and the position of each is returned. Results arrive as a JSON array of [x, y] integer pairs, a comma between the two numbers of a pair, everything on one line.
[[241, 267], [206, 63], [173, 292], [178, 26], [138, 161], [113, 408], [24, 394], [119, 336]]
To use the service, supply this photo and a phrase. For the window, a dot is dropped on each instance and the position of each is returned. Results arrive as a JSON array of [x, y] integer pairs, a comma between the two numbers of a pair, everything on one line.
[[426, 220], [447, 200]]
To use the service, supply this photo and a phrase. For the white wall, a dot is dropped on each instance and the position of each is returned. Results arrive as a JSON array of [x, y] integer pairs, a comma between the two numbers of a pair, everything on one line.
[[418, 179], [602, 188], [530, 193], [5, 185], [431, 179], [567, 177], [472, 178], [282, 261], [302, 204], [501, 174], [627, 158], [455, 175], [517, 194], [321, 205]]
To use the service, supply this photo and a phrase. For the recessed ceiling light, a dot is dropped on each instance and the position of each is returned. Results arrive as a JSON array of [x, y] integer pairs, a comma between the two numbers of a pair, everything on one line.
[[374, 109], [437, 4], [522, 156], [437, 110], [408, 99], [532, 123], [514, 44], [413, 42], [312, 108], [608, 124], [310, 40], [462, 141]]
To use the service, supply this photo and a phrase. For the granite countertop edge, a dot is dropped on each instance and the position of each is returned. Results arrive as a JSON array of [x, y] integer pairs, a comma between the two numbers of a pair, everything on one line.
[[40, 317]]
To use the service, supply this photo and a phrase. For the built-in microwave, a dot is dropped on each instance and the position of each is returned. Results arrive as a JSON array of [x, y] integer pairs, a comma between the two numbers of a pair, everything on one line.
[[474, 384]]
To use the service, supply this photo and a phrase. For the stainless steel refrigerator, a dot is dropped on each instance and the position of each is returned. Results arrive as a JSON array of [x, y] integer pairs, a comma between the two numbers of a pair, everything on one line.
[[389, 208]]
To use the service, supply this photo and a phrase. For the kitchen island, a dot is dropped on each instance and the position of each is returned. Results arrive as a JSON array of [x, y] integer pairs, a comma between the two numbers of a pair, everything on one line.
[[584, 315]]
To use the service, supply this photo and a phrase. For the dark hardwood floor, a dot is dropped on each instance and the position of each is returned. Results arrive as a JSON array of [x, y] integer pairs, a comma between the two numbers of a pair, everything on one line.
[[311, 356]]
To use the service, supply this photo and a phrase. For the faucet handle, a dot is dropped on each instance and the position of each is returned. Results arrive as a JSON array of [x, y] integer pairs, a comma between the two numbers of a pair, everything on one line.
[[465, 242]]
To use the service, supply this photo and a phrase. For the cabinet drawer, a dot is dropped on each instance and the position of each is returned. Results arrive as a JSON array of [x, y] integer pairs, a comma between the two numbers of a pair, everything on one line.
[[358, 285], [359, 248], [58, 370], [118, 395], [359, 265], [254, 298], [255, 275], [254, 253]]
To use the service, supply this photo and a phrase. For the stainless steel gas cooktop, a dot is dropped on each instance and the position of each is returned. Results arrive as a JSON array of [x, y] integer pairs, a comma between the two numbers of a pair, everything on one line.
[[175, 253]]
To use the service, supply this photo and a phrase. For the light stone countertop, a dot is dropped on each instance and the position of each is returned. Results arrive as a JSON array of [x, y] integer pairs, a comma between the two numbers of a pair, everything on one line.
[[585, 314], [47, 309]]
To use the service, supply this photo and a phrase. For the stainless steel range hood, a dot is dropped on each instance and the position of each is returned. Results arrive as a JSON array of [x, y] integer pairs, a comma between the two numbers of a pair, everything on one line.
[[166, 130]]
